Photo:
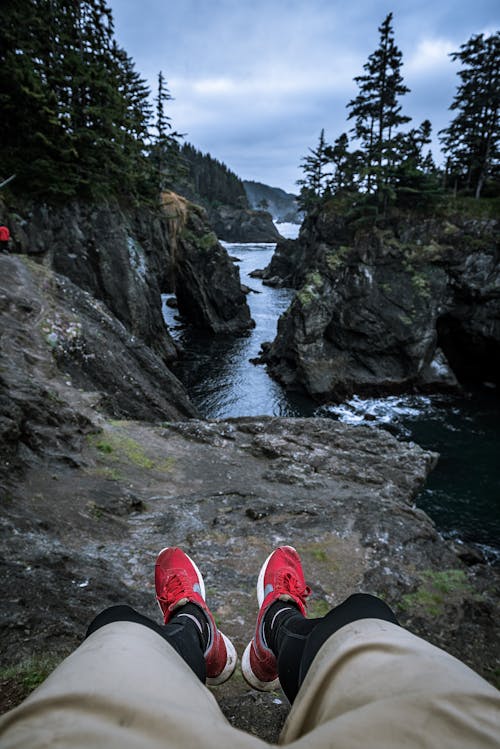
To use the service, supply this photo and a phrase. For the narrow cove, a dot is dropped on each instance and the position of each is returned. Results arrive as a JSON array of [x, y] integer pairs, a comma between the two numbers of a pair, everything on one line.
[[462, 494]]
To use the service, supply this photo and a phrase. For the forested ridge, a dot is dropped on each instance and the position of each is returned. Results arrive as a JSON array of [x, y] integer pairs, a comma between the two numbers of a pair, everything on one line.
[[208, 181], [378, 164], [78, 120]]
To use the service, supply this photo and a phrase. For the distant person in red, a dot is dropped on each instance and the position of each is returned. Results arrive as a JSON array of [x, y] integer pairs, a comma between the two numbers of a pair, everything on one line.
[[4, 239]]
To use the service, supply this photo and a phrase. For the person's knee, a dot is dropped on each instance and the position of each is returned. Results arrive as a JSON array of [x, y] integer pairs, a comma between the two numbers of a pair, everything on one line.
[[367, 606], [116, 613]]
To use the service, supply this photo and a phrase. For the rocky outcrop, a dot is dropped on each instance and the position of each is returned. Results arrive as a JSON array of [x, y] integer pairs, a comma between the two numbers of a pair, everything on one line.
[[120, 257], [206, 282], [126, 259], [408, 306], [227, 492], [243, 225], [62, 355], [287, 265]]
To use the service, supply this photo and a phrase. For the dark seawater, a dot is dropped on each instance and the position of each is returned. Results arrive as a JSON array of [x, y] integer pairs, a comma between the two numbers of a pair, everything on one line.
[[462, 494]]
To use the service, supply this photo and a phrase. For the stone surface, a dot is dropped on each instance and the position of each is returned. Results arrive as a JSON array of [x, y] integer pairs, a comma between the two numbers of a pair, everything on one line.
[[243, 225], [387, 310], [228, 492], [207, 283], [62, 353]]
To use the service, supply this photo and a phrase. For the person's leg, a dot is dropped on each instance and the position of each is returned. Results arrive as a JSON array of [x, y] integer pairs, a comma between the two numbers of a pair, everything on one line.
[[285, 642], [129, 684], [189, 624], [125, 687], [356, 677], [184, 632], [374, 683], [297, 640]]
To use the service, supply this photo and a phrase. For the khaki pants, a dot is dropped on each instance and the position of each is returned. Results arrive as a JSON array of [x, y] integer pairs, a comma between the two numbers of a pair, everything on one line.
[[372, 684]]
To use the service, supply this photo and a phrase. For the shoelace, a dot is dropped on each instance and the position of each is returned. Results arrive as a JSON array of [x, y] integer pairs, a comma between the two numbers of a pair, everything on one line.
[[174, 588], [289, 583]]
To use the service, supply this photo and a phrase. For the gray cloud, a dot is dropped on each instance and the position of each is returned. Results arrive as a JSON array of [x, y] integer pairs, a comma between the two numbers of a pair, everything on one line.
[[254, 82]]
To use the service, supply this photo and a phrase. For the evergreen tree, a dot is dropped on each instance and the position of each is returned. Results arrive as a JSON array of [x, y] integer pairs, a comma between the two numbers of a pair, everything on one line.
[[472, 141], [165, 151], [75, 114], [208, 181], [135, 117], [35, 142], [315, 182], [346, 166], [377, 113], [416, 179]]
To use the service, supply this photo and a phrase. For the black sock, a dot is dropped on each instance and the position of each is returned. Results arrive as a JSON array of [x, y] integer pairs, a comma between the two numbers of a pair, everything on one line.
[[284, 619], [286, 631], [191, 615]]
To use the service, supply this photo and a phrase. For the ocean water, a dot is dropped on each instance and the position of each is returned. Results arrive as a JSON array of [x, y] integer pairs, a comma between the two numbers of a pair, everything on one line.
[[462, 494]]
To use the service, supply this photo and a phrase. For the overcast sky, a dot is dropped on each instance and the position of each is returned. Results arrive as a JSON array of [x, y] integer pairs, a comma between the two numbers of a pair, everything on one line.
[[254, 81]]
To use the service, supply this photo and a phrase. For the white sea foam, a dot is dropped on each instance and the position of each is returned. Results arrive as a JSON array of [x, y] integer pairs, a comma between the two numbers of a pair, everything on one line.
[[380, 410]]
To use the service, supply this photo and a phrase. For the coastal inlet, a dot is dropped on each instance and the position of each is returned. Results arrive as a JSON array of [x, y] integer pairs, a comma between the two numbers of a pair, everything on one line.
[[462, 494]]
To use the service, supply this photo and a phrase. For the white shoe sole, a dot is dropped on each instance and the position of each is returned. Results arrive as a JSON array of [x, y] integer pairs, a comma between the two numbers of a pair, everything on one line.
[[251, 679], [228, 670], [246, 668]]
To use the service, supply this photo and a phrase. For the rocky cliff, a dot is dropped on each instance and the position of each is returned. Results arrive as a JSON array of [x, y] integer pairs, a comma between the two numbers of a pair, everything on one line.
[[243, 225], [126, 258], [206, 282], [62, 355], [88, 500], [411, 305]]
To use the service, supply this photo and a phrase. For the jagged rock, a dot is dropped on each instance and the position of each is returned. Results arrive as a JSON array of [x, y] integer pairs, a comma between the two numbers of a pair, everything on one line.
[[388, 310], [243, 225], [120, 257], [128, 258], [287, 264], [207, 283], [62, 353]]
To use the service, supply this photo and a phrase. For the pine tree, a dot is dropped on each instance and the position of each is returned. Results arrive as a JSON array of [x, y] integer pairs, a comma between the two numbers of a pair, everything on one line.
[[315, 182], [84, 110], [34, 138], [377, 112], [416, 179], [135, 118], [165, 151], [472, 141], [208, 181], [346, 166]]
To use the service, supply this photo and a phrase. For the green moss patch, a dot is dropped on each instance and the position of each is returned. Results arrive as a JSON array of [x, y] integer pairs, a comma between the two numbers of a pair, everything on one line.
[[311, 290], [114, 445], [436, 590], [202, 242], [317, 608], [30, 672]]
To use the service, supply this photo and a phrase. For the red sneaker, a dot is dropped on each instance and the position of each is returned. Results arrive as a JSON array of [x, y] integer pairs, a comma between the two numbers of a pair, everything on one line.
[[281, 578], [178, 581]]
